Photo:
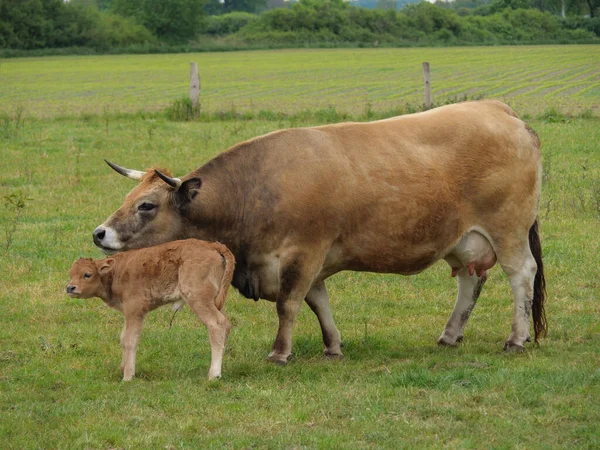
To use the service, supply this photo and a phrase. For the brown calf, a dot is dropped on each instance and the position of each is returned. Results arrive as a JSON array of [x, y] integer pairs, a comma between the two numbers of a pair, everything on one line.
[[138, 281]]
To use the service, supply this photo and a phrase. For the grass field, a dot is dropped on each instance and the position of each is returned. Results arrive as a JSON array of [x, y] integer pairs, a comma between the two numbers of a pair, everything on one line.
[[59, 358], [531, 79]]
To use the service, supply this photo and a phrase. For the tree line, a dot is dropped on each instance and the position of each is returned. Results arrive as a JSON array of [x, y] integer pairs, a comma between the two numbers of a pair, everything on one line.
[[105, 25]]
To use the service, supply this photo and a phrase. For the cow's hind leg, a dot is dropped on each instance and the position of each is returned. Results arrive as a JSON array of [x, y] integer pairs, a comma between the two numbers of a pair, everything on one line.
[[200, 288], [521, 268], [318, 300], [469, 288]]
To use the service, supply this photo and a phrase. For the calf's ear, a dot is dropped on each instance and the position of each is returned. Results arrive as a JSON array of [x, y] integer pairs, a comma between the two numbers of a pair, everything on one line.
[[106, 266], [189, 189]]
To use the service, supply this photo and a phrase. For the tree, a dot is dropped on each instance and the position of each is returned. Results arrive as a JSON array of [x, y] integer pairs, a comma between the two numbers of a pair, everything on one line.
[[386, 4], [171, 20], [593, 6], [244, 5]]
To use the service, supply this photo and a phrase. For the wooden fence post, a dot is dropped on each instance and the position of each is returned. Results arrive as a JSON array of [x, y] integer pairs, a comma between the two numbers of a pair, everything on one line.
[[427, 94], [194, 84]]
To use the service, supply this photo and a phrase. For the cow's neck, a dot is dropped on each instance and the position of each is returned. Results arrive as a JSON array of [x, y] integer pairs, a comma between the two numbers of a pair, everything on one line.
[[215, 215]]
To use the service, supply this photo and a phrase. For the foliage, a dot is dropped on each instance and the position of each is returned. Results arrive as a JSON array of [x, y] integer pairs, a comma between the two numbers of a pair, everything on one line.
[[170, 20], [182, 110], [35, 24], [310, 21], [250, 6], [227, 23], [32, 24]]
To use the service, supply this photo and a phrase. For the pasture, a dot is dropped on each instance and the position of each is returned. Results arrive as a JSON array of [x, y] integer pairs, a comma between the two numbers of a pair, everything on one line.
[[531, 79], [59, 358]]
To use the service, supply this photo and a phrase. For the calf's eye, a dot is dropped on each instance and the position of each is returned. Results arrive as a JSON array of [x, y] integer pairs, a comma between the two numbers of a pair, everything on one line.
[[87, 275]]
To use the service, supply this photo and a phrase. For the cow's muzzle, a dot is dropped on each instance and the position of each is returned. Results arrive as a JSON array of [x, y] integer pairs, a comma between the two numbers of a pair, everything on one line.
[[99, 234], [105, 239]]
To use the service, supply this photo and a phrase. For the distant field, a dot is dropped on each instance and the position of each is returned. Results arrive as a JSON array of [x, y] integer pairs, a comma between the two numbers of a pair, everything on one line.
[[531, 79]]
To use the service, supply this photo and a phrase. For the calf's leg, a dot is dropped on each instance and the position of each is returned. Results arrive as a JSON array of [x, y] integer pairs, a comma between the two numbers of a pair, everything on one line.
[[129, 343], [218, 330], [200, 286]]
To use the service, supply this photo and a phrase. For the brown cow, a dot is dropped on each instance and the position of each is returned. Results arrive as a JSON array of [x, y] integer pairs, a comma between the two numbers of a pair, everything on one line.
[[138, 281], [460, 183]]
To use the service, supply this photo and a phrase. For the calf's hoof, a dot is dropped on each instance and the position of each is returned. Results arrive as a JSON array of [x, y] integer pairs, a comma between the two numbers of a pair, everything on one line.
[[512, 347]]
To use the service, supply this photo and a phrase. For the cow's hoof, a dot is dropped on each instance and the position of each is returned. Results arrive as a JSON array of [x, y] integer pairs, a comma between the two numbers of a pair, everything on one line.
[[528, 339], [333, 355], [445, 341], [280, 360], [512, 347]]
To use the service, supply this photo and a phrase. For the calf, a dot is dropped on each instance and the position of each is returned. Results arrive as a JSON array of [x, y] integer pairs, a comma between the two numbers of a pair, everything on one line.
[[135, 282]]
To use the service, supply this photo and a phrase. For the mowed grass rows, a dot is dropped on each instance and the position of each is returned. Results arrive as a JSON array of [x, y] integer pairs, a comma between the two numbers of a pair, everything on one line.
[[59, 358], [531, 79]]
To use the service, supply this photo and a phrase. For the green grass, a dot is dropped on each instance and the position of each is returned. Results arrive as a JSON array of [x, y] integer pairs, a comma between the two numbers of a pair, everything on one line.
[[59, 377], [530, 78], [59, 358]]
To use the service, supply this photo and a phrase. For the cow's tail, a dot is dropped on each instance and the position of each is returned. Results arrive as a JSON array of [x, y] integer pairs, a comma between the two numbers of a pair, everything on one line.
[[229, 266], [540, 325]]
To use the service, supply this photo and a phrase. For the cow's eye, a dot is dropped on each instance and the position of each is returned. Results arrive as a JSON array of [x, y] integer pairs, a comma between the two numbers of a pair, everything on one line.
[[146, 206], [87, 275]]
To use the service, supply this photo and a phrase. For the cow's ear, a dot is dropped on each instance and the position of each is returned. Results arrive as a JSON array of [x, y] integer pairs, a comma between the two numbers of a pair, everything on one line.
[[106, 266], [189, 189]]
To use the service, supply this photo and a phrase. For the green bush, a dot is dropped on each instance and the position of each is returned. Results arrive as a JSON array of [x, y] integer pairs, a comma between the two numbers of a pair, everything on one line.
[[148, 26], [182, 110], [228, 23], [38, 24]]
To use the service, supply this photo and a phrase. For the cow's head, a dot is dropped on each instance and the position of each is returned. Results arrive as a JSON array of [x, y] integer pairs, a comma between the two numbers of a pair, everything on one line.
[[86, 277], [151, 213]]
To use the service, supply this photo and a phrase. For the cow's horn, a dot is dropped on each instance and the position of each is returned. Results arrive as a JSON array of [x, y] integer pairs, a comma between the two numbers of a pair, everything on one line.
[[173, 182], [133, 174]]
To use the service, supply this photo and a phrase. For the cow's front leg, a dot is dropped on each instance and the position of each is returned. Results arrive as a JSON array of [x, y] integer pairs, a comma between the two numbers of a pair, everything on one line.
[[295, 278], [318, 300], [129, 342], [469, 288]]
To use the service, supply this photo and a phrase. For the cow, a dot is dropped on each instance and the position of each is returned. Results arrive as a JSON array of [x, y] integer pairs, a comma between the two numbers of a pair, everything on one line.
[[138, 281], [460, 182]]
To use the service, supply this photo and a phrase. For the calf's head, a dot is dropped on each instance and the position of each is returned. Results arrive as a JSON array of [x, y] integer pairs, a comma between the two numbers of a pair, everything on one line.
[[86, 277], [151, 213]]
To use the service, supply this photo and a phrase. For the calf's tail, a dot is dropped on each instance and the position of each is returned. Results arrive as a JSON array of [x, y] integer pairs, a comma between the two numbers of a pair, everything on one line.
[[229, 266], [540, 325]]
